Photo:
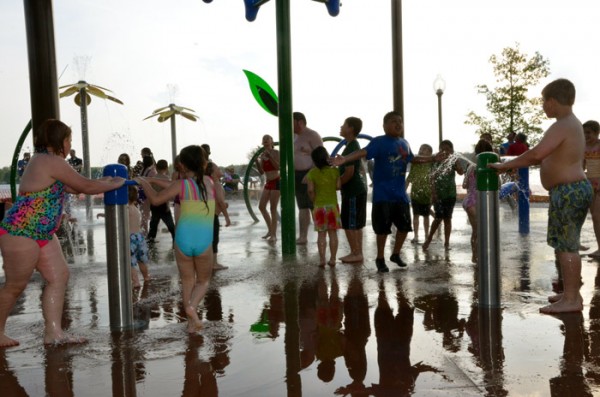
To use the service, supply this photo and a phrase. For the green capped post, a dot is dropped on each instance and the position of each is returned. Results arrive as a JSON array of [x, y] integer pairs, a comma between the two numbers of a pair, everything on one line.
[[487, 178]]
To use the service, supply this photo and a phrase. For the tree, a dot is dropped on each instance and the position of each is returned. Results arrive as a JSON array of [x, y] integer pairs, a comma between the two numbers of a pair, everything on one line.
[[509, 104]]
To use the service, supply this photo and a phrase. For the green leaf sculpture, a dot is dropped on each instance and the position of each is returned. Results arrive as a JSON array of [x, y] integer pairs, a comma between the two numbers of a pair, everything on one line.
[[263, 93]]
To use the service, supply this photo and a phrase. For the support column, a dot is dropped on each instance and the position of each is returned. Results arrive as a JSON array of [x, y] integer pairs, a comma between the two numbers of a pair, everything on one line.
[[286, 133], [43, 78]]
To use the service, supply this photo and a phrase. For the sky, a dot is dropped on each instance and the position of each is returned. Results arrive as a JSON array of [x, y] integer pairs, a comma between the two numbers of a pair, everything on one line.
[[151, 53]]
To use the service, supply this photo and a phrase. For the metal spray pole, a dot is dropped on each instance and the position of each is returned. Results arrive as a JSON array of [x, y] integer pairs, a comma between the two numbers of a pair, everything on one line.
[[118, 257], [488, 231]]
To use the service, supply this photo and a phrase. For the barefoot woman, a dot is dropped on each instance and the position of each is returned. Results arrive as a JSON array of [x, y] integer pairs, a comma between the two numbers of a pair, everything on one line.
[[27, 239]]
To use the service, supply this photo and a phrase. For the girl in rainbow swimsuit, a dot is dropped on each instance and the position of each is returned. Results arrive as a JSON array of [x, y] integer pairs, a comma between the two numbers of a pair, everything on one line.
[[194, 230], [27, 239]]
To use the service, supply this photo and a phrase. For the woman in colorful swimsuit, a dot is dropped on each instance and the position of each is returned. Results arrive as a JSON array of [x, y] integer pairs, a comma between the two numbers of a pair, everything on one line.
[[194, 230], [591, 130], [27, 233], [268, 164]]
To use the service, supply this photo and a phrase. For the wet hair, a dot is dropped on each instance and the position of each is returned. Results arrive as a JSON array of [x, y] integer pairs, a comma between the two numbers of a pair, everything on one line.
[[162, 165], [210, 168], [127, 163], [448, 143], [206, 148], [355, 123], [147, 161], [426, 146], [521, 137], [390, 115], [127, 159], [483, 146], [319, 156], [562, 90], [299, 116], [592, 125], [132, 194], [51, 134], [194, 158], [146, 152]]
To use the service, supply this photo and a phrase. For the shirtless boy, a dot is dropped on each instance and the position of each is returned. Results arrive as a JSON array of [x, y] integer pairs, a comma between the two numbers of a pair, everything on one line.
[[560, 155]]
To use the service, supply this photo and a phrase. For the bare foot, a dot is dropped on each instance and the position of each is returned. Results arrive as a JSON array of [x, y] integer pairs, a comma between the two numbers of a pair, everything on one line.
[[426, 245], [301, 241], [352, 258], [194, 326], [562, 307], [555, 298], [272, 239], [218, 266], [266, 236], [415, 240], [194, 323], [583, 248], [64, 339], [322, 264], [331, 262], [5, 342], [343, 258]]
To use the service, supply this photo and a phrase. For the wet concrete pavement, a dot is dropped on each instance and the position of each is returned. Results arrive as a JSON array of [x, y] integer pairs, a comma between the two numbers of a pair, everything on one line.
[[278, 326]]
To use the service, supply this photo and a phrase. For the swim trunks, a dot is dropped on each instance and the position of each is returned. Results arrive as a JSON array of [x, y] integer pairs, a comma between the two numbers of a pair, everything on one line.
[[569, 205], [138, 248], [194, 233], [326, 218]]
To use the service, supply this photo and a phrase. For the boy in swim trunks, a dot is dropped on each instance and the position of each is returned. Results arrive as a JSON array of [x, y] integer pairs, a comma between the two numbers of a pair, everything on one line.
[[560, 154], [591, 129]]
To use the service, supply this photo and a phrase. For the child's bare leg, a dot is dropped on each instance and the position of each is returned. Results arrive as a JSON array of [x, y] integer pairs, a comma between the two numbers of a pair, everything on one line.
[[274, 200], [322, 246], [53, 268], [333, 246], [426, 225], [447, 231], [416, 228], [203, 271], [187, 272], [135, 280], [571, 300], [20, 256], [144, 270], [355, 240], [262, 206], [434, 227]]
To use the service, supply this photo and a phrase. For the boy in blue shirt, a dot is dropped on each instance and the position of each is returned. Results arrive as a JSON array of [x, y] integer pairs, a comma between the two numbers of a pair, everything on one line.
[[391, 204]]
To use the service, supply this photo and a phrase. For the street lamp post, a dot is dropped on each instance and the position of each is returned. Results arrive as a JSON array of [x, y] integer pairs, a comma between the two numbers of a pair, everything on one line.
[[439, 85]]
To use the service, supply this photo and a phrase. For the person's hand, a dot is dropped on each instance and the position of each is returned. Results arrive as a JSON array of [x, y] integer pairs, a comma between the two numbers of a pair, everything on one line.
[[440, 156], [337, 160], [500, 167], [119, 180]]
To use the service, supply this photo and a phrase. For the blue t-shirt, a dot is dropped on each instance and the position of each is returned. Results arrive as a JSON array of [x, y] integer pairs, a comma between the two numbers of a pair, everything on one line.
[[391, 156]]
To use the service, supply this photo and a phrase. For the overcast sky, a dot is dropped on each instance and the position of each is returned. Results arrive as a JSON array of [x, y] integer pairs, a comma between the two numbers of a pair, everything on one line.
[[342, 67]]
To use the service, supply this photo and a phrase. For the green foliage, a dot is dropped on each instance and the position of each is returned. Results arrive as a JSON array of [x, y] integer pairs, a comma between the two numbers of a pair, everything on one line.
[[5, 175], [508, 103]]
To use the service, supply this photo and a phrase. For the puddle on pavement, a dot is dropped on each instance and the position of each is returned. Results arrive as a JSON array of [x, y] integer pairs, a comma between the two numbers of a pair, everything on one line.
[[277, 327]]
